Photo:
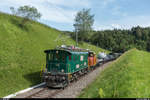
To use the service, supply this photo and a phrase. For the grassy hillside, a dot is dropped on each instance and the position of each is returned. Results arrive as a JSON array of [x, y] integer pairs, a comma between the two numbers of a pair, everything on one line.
[[128, 77], [21, 52]]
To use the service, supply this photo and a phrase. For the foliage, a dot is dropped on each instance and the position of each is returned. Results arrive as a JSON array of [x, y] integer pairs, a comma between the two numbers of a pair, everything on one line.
[[127, 77], [148, 45], [22, 52], [122, 40], [83, 23], [27, 13]]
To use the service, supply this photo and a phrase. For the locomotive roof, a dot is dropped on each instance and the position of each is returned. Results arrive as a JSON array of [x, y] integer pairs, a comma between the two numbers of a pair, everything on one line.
[[69, 51]]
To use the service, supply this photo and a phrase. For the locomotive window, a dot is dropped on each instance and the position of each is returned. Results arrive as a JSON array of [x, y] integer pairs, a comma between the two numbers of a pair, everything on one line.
[[47, 58], [91, 55], [57, 57], [50, 56], [63, 57]]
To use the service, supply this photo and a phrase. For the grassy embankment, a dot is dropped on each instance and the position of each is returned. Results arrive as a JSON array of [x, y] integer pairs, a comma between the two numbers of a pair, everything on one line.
[[21, 52], [127, 77]]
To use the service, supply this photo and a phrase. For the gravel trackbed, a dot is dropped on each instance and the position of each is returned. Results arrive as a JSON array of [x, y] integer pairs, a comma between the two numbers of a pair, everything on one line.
[[72, 91]]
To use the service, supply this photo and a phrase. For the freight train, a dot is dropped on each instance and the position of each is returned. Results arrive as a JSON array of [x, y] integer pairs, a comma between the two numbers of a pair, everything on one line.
[[67, 63]]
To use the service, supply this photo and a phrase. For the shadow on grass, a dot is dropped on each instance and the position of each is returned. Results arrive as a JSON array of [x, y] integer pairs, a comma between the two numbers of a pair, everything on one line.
[[18, 23], [33, 78]]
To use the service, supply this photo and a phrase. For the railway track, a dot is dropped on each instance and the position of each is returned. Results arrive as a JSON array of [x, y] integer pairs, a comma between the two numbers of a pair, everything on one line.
[[49, 92], [46, 92]]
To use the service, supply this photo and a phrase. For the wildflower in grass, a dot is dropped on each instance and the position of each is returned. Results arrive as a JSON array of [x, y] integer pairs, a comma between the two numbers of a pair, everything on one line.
[[101, 93]]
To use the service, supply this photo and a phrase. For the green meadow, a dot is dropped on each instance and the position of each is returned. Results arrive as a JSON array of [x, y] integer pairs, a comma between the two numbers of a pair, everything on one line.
[[127, 77], [22, 52]]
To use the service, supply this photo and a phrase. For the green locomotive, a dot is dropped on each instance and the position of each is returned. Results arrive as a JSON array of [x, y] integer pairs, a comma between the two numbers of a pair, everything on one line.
[[64, 66]]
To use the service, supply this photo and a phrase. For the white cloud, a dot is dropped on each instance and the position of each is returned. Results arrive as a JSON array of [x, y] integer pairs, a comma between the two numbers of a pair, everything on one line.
[[131, 21], [70, 3], [104, 3], [124, 23], [50, 9], [98, 26], [116, 26], [56, 14], [63, 12]]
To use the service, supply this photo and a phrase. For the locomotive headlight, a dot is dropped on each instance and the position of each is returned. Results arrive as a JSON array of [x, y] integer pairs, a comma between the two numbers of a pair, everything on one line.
[[62, 70]]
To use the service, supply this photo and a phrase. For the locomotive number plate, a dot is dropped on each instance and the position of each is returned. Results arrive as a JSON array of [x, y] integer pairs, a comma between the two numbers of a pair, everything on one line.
[[77, 66]]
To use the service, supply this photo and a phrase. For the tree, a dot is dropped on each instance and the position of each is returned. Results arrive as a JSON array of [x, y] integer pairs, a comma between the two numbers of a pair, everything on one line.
[[83, 23], [137, 32], [27, 12], [148, 45], [12, 9]]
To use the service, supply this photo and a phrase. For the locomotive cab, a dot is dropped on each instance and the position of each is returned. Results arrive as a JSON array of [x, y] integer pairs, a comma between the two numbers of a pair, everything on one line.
[[57, 68], [63, 65], [91, 60]]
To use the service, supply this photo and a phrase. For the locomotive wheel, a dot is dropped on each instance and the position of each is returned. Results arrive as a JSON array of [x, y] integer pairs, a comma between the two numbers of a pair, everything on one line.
[[76, 77], [65, 84]]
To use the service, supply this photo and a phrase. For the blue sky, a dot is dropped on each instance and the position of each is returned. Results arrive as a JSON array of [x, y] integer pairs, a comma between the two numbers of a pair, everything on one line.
[[109, 14]]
